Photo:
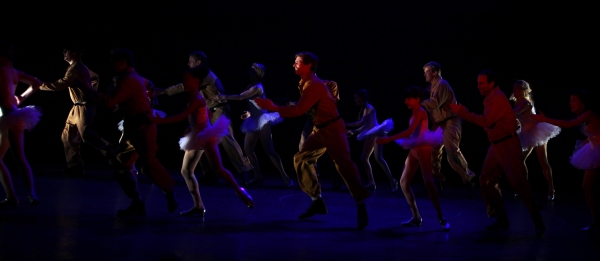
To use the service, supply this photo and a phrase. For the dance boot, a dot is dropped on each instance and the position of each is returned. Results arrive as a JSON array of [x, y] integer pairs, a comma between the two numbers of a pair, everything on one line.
[[9, 204], [172, 203], [246, 198], [193, 211], [316, 207], [412, 222], [362, 216], [137, 208]]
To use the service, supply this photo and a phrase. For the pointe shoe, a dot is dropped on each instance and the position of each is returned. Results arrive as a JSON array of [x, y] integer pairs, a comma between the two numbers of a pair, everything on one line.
[[412, 222], [445, 225], [316, 207], [255, 182], [34, 201], [193, 211], [551, 196], [362, 217], [591, 228], [137, 208], [9, 204], [246, 198]]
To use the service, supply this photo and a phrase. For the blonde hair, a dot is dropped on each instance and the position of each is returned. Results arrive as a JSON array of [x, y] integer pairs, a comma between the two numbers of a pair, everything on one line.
[[525, 87]]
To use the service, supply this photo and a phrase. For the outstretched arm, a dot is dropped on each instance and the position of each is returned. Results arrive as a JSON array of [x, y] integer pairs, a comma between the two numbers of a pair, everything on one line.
[[34, 85], [421, 116], [254, 90], [367, 112], [584, 117], [194, 104]]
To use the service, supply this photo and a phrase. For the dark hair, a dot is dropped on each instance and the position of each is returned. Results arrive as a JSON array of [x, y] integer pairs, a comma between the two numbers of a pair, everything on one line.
[[199, 55], [122, 54], [74, 47], [7, 50], [200, 71], [363, 94], [585, 96], [491, 76], [435, 67], [309, 58], [256, 73], [414, 92]]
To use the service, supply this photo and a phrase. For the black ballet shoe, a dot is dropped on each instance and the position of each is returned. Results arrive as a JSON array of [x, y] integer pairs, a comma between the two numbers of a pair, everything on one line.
[[137, 208], [316, 207], [246, 198], [255, 182], [445, 225], [412, 222], [591, 228], [9, 204], [34, 201], [192, 212]]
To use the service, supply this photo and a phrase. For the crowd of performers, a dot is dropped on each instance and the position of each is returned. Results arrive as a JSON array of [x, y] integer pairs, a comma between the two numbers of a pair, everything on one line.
[[514, 131]]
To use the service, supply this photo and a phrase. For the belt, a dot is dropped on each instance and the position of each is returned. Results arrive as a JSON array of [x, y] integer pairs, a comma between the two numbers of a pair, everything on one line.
[[324, 124], [504, 138], [213, 109], [79, 103]]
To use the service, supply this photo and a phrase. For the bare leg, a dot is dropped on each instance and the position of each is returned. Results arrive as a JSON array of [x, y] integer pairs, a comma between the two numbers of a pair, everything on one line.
[[266, 140], [190, 161], [368, 148], [15, 138], [250, 141], [525, 156], [383, 164], [423, 155], [410, 168], [542, 155], [4, 173]]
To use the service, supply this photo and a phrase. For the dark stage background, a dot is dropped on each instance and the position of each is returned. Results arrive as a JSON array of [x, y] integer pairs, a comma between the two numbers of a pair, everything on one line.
[[377, 45]]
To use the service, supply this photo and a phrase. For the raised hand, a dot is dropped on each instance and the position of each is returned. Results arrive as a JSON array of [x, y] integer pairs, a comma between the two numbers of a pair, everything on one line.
[[266, 104], [246, 115]]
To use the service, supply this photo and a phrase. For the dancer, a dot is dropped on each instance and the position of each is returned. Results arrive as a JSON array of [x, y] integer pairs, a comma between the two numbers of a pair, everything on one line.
[[218, 108], [13, 122], [203, 137], [420, 141], [438, 106], [369, 130], [533, 135], [329, 134], [131, 96], [79, 124], [504, 154], [257, 125], [587, 154]]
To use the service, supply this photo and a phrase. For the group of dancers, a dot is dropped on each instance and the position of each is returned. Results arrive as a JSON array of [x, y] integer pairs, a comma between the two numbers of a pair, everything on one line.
[[435, 125]]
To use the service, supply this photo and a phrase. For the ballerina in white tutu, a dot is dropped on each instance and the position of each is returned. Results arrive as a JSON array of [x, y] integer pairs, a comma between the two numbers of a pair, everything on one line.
[[533, 134], [202, 137], [420, 141], [257, 125], [13, 122], [586, 156], [369, 130]]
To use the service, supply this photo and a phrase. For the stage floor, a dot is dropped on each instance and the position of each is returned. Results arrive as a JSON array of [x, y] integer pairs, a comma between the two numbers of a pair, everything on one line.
[[77, 221]]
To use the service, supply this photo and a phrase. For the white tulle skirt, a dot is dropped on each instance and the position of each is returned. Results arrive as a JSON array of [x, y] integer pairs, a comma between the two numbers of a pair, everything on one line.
[[27, 117], [195, 139], [536, 134], [255, 124], [379, 130], [431, 138], [586, 157]]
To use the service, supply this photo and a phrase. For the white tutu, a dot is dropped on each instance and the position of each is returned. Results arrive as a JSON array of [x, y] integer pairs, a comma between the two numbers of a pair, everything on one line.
[[27, 116], [253, 124], [379, 130], [587, 157], [195, 140], [536, 134], [156, 113], [432, 138]]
